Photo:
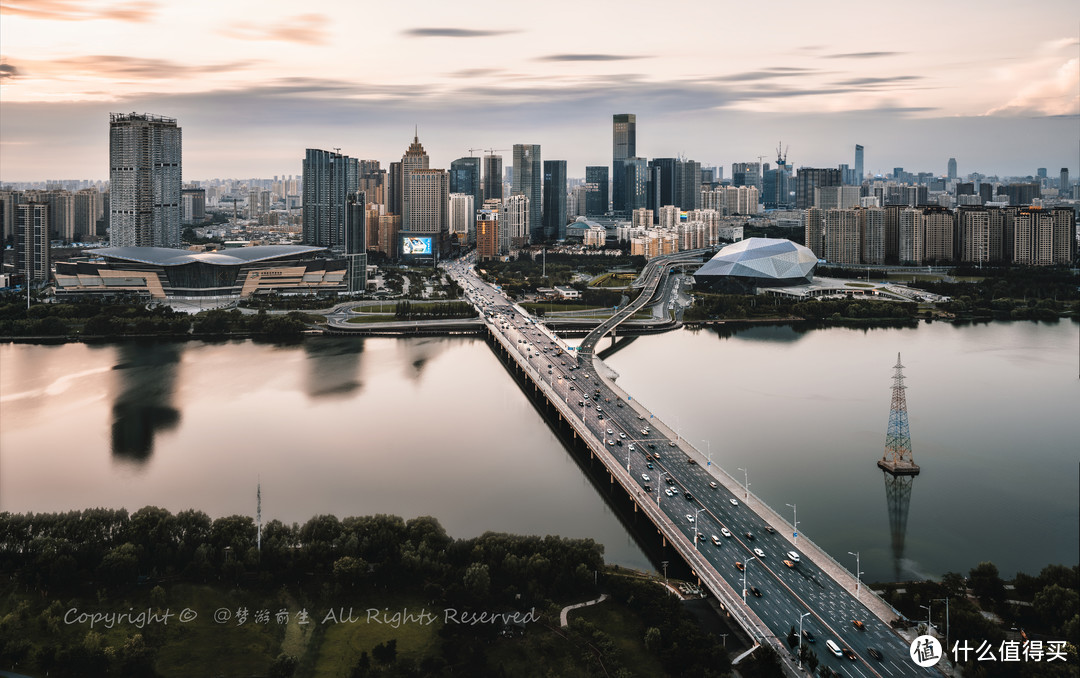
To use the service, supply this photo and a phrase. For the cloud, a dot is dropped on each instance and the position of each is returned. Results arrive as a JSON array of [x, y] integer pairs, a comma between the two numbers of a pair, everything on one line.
[[306, 29], [588, 57], [861, 55], [1054, 94], [474, 72], [80, 10], [765, 74], [106, 65], [8, 71], [858, 82], [454, 33]]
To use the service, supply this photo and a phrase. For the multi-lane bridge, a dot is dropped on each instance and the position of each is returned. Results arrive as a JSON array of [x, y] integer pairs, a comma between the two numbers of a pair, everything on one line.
[[739, 548]]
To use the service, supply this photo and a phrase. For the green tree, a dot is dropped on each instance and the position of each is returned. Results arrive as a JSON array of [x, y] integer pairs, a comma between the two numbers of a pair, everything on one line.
[[986, 583]]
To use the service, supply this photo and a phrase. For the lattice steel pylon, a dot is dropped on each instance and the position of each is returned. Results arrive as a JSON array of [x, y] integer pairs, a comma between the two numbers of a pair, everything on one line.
[[897, 459]]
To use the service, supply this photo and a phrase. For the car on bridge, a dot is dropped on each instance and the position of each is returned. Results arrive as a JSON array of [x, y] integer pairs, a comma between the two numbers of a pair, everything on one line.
[[808, 637], [793, 556], [713, 485], [755, 591], [715, 540], [739, 566], [689, 497], [759, 553], [724, 531], [749, 535], [875, 653], [645, 477], [669, 492], [789, 563], [689, 518], [734, 502]]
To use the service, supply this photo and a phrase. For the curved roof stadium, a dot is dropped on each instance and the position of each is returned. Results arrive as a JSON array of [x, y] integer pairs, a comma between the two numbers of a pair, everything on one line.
[[758, 262], [162, 272], [165, 256]]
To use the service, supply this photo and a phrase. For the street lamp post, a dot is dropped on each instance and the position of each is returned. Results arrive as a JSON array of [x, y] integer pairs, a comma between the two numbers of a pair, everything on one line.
[[946, 599], [795, 511], [746, 483], [658, 479], [696, 515], [928, 625], [800, 639], [858, 574], [745, 568]]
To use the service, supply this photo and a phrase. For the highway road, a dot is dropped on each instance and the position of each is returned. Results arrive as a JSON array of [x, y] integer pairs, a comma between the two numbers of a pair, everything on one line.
[[690, 492]]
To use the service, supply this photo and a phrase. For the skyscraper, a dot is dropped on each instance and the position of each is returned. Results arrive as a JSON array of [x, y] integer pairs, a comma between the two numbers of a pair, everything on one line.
[[415, 158], [555, 200], [465, 178], [356, 242], [623, 146], [32, 242], [746, 174], [493, 178], [859, 172], [529, 181], [144, 180], [329, 178], [596, 185], [1063, 183], [636, 180], [427, 202], [952, 169], [809, 178]]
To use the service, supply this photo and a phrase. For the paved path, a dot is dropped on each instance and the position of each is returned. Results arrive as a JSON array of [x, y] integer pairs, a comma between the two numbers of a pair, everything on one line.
[[562, 615]]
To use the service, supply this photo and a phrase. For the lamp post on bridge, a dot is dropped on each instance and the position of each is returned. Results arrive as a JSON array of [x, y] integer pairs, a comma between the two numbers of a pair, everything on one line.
[[800, 639], [709, 444], [746, 566], [946, 599], [796, 532], [928, 624], [746, 483], [858, 574], [696, 515]]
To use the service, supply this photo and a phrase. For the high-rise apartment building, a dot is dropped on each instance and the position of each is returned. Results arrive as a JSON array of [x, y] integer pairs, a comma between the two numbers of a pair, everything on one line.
[[836, 197], [814, 231], [329, 178], [529, 182], [843, 235], [623, 146], [89, 208], [939, 226], [554, 200], [493, 177], [8, 201], [515, 219], [487, 233], [912, 235], [462, 213], [192, 205], [32, 242], [596, 186], [1044, 237], [873, 236], [145, 154]]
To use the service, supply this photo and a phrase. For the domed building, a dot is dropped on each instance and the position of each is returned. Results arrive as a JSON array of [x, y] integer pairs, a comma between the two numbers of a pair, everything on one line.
[[757, 262]]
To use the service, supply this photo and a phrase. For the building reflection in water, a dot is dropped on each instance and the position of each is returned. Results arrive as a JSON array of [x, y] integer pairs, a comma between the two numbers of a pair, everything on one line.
[[332, 366], [142, 407]]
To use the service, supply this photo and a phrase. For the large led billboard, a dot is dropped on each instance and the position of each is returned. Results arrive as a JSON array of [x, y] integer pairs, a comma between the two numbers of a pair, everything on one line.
[[416, 246]]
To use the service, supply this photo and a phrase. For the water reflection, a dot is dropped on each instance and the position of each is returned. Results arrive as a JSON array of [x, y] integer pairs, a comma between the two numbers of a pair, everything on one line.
[[332, 367], [617, 344], [898, 498], [417, 352], [142, 407]]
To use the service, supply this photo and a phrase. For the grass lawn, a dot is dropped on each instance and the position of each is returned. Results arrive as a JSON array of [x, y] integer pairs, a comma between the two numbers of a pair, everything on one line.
[[373, 318], [533, 306], [342, 643]]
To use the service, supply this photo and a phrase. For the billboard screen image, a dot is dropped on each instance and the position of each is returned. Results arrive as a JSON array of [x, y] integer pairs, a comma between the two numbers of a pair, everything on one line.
[[416, 245]]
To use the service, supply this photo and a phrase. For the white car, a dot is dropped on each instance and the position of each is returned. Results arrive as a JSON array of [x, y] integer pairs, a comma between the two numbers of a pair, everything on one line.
[[669, 492], [794, 557], [759, 553], [645, 477], [622, 435], [689, 518], [734, 502], [716, 540], [724, 531], [610, 432]]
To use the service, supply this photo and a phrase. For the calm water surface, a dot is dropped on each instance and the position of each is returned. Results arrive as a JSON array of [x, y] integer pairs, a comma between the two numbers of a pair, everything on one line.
[[437, 427]]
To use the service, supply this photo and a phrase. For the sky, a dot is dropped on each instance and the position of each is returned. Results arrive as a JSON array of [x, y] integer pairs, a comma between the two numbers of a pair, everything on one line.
[[994, 84]]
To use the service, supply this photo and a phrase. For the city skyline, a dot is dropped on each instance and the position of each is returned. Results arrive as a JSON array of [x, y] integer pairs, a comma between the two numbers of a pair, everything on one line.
[[254, 92]]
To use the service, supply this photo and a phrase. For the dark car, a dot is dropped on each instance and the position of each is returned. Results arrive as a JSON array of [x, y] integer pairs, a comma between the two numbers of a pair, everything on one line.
[[750, 536], [648, 488], [849, 654], [769, 529], [755, 591], [808, 637], [873, 652], [689, 496]]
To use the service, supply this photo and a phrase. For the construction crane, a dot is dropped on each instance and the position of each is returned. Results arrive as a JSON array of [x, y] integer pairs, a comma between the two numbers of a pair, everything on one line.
[[473, 150], [781, 154], [491, 151]]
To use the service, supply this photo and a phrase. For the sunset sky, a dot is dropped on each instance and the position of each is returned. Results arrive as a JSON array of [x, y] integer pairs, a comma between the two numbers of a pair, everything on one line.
[[995, 84]]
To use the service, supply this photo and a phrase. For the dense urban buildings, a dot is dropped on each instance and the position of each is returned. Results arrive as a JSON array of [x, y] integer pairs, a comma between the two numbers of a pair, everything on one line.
[[145, 154]]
